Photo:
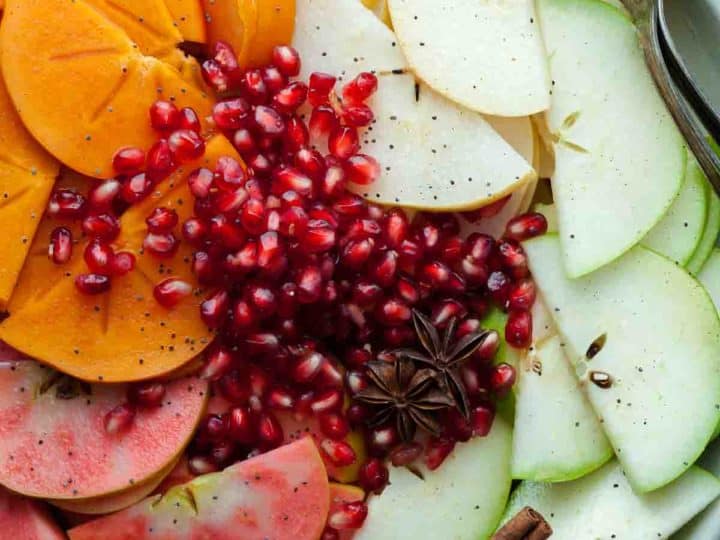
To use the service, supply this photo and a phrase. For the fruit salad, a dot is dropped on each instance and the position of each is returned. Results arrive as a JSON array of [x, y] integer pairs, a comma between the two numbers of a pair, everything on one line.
[[350, 269]]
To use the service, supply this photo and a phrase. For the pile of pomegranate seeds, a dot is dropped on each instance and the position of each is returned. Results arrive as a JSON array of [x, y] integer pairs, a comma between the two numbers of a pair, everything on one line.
[[308, 281]]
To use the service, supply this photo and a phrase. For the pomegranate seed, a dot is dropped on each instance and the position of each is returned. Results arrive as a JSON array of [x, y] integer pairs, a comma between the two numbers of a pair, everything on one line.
[[162, 220], [343, 142], [357, 357], [398, 335], [61, 245], [360, 88], [160, 162], [502, 378], [189, 120], [274, 79], [136, 188], [101, 226], [200, 181], [319, 237], [308, 367], [366, 293], [291, 179], [480, 246], [481, 420], [327, 401], [98, 256], [499, 284], [102, 195], [224, 54], [171, 291], [164, 116], [333, 181], [487, 211], [119, 419], [310, 162], [226, 233], [253, 216], [229, 175], [122, 263], [268, 121], [66, 203], [293, 222], [322, 122], [395, 227], [243, 315], [381, 440], [518, 329], [241, 426], [522, 295], [244, 142], [384, 268], [242, 261], [128, 160], [350, 205], [214, 309], [405, 454], [302, 405], [475, 272], [333, 425], [146, 394], [287, 60], [321, 84], [269, 249], [186, 145], [309, 285], [215, 427], [280, 398], [410, 252], [222, 452], [393, 312], [362, 169], [290, 98], [349, 515], [357, 414], [330, 534], [263, 299], [373, 476], [457, 426], [340, 453], [214, 76], [204, 268], [446, 310], [235, 387], [230, 114], [270, 432], [199, 465], [194, 231], [436, 274], [296, 134], [489, 347], [262, 343], [452, 250], [357, 252], [161, 245], [91, 284], [437, 450], [526, 226], [254, 86], [358, 115], [513, 258]]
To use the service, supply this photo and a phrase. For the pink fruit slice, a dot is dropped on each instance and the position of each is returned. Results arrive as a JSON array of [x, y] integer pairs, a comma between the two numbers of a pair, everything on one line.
[[281, 495], [25, 519], [53, 443]]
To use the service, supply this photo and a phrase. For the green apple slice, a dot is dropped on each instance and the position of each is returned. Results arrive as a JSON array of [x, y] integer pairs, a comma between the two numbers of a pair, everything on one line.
[[710, 234], [495, 53], [461, 500], [645, 338], [706, 524], [557, 435], [709, 276], [678, 233], [603, 505], [434, 154], [612, 134]]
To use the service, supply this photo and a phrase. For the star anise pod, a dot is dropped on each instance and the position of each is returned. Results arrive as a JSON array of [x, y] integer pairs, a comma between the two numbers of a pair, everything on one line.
[[409, 396], [443, 355]]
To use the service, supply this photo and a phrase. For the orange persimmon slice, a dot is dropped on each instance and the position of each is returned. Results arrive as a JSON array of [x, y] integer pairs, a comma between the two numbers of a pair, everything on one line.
[[123, 335], [188, 17], [84, 78], [27, 174]]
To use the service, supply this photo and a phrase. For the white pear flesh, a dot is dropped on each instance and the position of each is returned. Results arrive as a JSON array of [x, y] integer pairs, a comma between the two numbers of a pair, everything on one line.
[[619, 158], [603, 505], [710, 234], [486, 56], [679, 232], [463, 499], [434, 154], [707, 524], [557, 436], [709, 276], [658, 335]]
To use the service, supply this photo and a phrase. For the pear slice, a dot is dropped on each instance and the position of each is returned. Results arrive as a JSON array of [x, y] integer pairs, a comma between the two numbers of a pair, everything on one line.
[[434, 154], [709, 276], [706, 524], [602, 505], [679, 232], [645, 338], [557, 435], [487, 56], [461, 500], [613, 135], [710, 233]]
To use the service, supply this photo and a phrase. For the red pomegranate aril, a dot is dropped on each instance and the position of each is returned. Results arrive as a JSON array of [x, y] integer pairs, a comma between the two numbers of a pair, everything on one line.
[[214, 309], [186, 145], [136, 188], [268, 121], [437, 450], [101, 226], [214, 76], [360, 88], [66, 203], [381, 440], [350, 205], [235, 387], [373, 476], [487, 211], [119, 419], [356, 381], [480, 246], [128, 160], [164, 116], [522, 295], [162, 220], [310, 162], [330, 534], [204, 268], [290, 98], [296, 134], [190, 120], [357, 252], [344, 142], [489, 347], [263, 299], [436, 274], [200, 182], [526, 226], [362, 169], [254, 87], [481, 420], [122, 263], [160, 162], [269, 249], [474, 271], [349, 516], [357, 357], [224, 54], [100, 197], [446, 310], [92, 284], [170, 292], [199, 465], [309, 285], [61, 245], [321, 84], [293, 222], [498, 285], [287, 60], [384, 268], [161, 244], [339, 453], [322, 122], [243, 316], [253, 216], [98, 257], [513, 258], [308, 367], [327, 401], [146, 394], [222, 452], [194, 231], [357, 414], [274, 79], [333, 425], [405, 454], [244, 142], [518, 329], [270, 432], [292, 179], [410, 252], [452, 250], [502, 378], [319, 237], [395, 227], [229, 174], [407, 290], [226, 233], [397, 336], [214, 427], [457, 426], [358, 115], [241, 426], [280, 398], [230, 114]]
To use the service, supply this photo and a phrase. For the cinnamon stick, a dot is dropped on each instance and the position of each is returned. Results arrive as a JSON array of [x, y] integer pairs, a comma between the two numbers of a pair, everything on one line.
[[528, 524]]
